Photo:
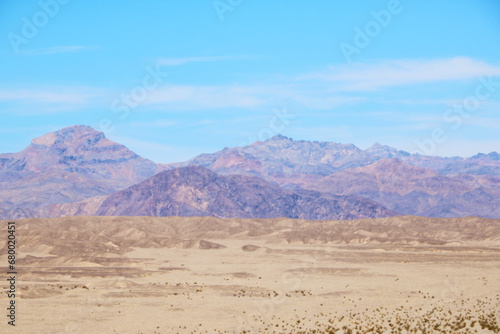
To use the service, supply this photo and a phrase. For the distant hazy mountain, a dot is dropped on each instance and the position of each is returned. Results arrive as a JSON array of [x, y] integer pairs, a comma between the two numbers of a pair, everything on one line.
[[74, 170], [67, 166], [416, 190], [408, 183], [197, 191], [383, 151], [280, 157]]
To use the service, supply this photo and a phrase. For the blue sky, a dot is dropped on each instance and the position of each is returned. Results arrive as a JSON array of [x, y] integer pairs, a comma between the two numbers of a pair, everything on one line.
[[173, 79]]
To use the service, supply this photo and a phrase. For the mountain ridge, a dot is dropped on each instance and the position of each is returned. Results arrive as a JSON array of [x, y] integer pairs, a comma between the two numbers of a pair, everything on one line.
[[75, 169], [197, 191], [324, 158]]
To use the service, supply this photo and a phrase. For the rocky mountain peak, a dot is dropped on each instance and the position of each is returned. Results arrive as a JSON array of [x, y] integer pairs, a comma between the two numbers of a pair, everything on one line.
[[492, 156], [376, 146], [76, 152], [73, 136], [197, 191], [279, 137], [384, 151]]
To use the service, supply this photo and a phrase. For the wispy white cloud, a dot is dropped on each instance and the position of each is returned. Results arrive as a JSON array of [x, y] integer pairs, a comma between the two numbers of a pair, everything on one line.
[[484, 122], [319, 91], [60, 49], [325, 90], [425, 102], [46, 96], [186, 60], [363, 76], [326, 102], [31, 129], [230, 122], [160, 123], [49, 99], [339, 133], [179, 97], [208, 97]]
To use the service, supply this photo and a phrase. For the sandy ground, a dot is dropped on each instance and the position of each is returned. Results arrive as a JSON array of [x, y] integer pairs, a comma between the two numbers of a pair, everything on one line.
[[257, 285]]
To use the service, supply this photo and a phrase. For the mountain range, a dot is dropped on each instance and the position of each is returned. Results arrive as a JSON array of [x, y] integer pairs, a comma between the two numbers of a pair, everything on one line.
[[78, 171]]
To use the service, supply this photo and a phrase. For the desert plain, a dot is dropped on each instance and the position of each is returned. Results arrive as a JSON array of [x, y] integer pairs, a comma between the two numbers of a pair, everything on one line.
[[402, 274]]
